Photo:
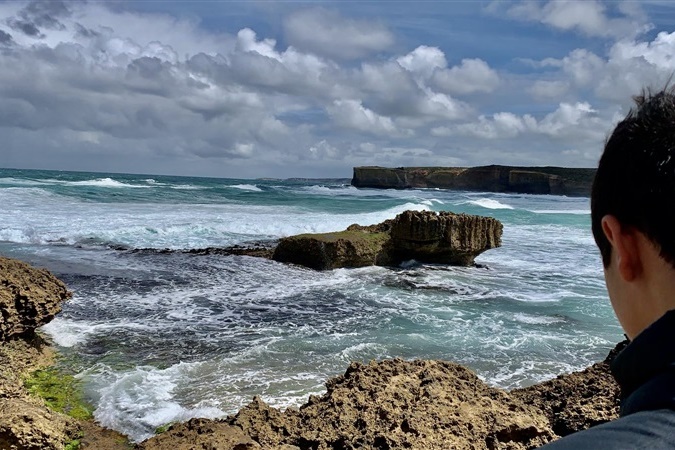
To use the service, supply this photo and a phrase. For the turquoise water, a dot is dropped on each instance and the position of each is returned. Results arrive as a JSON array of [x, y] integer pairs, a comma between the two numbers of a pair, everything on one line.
[[158, 337]]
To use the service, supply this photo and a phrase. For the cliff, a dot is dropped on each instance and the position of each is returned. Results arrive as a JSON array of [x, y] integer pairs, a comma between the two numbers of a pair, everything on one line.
[[524, 180]]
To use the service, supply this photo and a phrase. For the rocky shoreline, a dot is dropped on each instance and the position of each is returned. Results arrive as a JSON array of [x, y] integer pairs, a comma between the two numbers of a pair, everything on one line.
[[389, 404]]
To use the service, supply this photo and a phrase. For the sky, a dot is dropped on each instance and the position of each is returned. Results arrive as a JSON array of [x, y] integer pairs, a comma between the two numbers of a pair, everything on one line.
[[247, 89]]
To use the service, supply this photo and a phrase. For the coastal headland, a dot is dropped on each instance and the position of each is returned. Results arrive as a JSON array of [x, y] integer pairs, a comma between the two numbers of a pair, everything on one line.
[[573, 182], [419, 404]]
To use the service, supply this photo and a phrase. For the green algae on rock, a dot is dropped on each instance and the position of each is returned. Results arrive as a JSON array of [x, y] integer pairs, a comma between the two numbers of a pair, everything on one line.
[[61, 392]]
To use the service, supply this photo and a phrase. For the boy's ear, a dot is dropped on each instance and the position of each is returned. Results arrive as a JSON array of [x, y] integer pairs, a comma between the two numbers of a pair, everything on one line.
[[625, 252]]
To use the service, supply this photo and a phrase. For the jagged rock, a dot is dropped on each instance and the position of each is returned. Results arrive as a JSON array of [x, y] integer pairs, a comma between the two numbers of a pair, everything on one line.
[[28, 426], [445, 237], [578, 400], [425, 236], [417, 405], [386, 405], [29, 297], [202, 433]]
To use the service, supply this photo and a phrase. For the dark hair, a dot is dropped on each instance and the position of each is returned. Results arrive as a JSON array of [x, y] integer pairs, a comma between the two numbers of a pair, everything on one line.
[[635, 180]]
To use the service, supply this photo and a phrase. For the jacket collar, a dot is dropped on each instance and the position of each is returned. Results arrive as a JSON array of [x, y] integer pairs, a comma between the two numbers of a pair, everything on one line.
[[650, 355]]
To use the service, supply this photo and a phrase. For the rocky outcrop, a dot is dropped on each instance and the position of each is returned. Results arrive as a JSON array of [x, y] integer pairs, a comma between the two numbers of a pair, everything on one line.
[[579, 400], [445, 237], [25, 422], [325, 251], [411, 404], [426, 236], [526, 180], [29, 297]]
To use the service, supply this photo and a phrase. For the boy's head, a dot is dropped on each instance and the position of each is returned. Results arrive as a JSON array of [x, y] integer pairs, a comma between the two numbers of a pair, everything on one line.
[[635, 180]]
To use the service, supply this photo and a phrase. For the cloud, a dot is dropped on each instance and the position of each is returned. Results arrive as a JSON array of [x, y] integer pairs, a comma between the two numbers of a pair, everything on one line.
[[588, 17], [567, 122], [473, 75], [629, 66], [352, 114], [327, 33], [5, 38], [100, 88], [423, 61], [546, 89]]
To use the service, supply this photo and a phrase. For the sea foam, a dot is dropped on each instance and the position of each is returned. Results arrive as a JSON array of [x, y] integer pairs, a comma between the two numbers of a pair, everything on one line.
[[490, 203], [245, 187]]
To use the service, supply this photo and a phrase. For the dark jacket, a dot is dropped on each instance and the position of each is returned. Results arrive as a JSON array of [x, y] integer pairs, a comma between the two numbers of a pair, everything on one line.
[[645, 370]]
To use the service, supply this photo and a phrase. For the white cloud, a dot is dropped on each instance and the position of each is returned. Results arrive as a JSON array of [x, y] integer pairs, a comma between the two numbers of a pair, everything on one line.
[[588, 17], [629, 66], [323, 150], [166, 94], [327, 33], [545, 89], [423, 61], [473, 75], [567, 122], [430, 68], [352, 114]]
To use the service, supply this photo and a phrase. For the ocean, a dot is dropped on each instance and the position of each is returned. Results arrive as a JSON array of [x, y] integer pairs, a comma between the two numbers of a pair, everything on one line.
[[157, 337]]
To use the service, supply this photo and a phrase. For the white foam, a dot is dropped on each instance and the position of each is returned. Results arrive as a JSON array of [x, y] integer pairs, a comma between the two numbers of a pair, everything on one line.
[[100, 182], [188, 187], [20, 182], [68, 333], [138, 401], [246, 187], [536, 320], [490, 203]]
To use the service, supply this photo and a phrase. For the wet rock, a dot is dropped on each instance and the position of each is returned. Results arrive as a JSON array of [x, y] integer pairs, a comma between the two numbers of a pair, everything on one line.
[[29, 297]]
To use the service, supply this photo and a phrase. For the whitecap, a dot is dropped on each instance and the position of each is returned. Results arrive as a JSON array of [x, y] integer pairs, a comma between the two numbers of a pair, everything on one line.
[[102, 182], [246, 187], [490, 203]]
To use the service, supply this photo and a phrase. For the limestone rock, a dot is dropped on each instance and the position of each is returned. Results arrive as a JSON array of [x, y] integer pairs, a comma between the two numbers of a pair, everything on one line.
[[201, 433], [413, 404], [445, 237], [418, 405], [578, 400], [28, 426], [29, 297], [425, 236], [351, 248], [493, 178]]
